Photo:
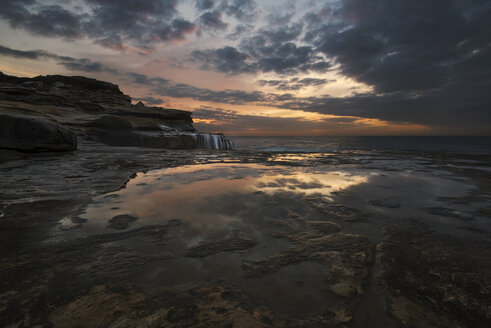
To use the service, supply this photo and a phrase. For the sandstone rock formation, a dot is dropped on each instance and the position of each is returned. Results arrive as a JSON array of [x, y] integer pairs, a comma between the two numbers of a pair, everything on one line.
[[34, 134], [92, 109]]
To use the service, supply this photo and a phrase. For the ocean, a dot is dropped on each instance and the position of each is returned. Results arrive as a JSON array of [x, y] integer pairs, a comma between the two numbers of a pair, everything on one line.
[[464, 145]]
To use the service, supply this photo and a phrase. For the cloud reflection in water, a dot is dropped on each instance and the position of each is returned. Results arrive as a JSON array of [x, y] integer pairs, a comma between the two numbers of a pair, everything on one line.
[[213, 196]]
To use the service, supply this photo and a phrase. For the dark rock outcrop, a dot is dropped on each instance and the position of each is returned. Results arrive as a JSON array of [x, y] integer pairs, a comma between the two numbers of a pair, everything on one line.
[[437, 280], [235, 243], [121, 222], [94, 110], [34, 134]]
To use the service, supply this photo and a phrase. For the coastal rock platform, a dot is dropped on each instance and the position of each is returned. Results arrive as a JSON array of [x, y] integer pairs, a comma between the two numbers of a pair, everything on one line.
[[55, 108], [293, 260]]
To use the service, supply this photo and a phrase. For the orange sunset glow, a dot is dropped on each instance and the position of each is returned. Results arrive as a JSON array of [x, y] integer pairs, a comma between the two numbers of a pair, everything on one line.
[[260, 68]]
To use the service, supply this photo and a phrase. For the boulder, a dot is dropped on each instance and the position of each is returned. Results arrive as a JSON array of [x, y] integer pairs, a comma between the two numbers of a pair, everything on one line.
[[34, 134]]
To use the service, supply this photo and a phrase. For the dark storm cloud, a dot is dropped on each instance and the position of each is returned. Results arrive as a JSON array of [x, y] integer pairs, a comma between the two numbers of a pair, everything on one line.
[[239, 31], [285, 33], [244, 10], [280, 18], [82, 65], [231, 121], [145, 80], [167, 88], [109, 23], [31, 54], [270, 50], [286, 58], [228, 96], [70, 63], [225, 60], [437, 108], [397, 108], [204, 4], [426, 60], [405, 45], [139, 78], [213, 20], [52, 21], [294, 83], [313, 81], [271, 83], [143, 22], [14, 11]]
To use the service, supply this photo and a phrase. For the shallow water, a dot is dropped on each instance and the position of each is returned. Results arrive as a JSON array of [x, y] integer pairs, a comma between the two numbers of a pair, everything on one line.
[[217, 198], [342, 237], [218, 201]]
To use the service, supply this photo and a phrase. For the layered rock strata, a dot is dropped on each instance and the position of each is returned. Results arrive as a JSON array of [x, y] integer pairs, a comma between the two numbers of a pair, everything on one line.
[[44, 113]]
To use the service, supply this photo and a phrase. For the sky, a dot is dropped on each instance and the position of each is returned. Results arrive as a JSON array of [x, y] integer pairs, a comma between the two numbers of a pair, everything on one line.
[[273, 67]]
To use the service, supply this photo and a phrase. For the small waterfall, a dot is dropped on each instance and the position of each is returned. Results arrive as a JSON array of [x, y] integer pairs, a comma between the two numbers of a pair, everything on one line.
[[203, 140], [166, 129], [213, 141]]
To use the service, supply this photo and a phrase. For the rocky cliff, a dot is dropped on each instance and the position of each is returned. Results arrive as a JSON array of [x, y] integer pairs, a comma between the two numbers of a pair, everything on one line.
[[48, 113]]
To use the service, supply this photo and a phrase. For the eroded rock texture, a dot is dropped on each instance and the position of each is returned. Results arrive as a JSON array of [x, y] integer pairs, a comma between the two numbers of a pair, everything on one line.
[[348, 259], [34, 134], [39, 113], [437, 280], [204, 249]]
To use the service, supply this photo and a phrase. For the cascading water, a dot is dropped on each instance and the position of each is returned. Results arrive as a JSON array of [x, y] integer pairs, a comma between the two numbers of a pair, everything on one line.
[[203, 140], [213, 141]]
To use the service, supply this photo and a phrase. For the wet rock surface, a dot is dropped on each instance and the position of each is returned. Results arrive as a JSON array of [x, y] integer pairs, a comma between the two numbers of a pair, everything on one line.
[[437, 280], [346, 260], [449, 212], [338, 211], [34, 134], [121, 222], [385, 203], [45, 113], [225, 245]]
